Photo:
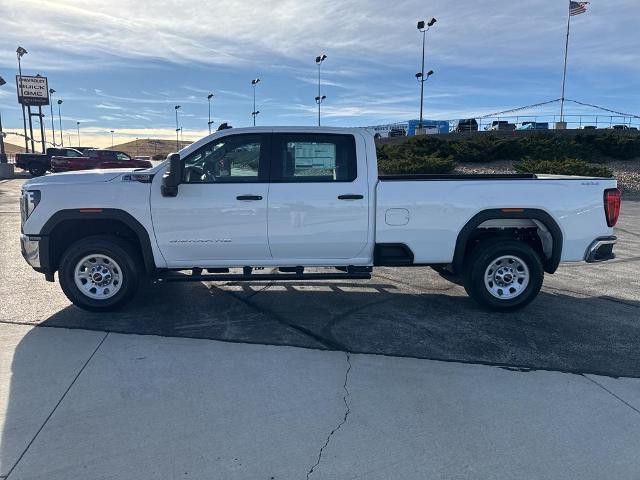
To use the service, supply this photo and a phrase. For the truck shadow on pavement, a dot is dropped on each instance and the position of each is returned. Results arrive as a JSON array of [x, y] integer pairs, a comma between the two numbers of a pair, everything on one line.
[[556, 332]]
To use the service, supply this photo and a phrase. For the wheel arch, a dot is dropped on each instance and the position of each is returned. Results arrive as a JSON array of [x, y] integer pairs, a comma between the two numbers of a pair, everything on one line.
[[80, 223], [544, 219]]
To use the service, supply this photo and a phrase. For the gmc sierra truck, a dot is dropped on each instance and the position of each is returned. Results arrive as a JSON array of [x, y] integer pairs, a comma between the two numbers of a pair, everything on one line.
[[273, 202]]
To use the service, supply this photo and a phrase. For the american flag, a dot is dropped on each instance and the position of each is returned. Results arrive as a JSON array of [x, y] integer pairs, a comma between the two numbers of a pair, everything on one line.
[[576, 8]]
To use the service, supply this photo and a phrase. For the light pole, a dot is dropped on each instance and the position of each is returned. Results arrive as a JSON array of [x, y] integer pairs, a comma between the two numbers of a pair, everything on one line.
[[111, 138], [255, 112], [209, 97], [319, 59], [20, 52], [3, 155], [53, 128], [421, 76], [78, 125], [60, 120], [177, 128]]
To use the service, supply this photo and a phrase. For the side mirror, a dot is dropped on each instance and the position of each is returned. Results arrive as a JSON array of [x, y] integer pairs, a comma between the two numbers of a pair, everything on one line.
[[172, 177]]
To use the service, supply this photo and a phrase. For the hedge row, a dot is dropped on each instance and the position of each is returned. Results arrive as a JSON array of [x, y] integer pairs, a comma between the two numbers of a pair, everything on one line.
[[485, 148]]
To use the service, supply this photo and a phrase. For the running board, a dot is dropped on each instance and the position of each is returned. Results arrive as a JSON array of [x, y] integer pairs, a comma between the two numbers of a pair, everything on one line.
[[261, 277]]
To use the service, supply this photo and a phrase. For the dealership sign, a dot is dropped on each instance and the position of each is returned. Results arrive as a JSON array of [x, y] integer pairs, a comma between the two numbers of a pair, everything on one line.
[[32, 90]]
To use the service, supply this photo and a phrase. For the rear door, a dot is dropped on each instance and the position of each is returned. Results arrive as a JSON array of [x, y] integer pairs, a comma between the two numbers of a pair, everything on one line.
[[319, 196]]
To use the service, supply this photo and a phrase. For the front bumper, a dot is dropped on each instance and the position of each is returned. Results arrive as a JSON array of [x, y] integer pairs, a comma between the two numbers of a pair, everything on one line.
[[30, 246], [601, 250]]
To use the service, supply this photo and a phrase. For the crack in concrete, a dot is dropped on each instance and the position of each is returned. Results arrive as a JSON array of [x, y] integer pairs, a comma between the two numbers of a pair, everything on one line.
[[612, 394], [344, 418]]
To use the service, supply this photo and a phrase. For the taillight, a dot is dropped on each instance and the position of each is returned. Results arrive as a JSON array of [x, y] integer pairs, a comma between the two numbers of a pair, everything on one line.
[[612, 205]]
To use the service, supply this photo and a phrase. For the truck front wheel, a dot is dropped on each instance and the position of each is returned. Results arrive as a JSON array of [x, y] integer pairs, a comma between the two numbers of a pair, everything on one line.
[[503, 274], [100, 273]]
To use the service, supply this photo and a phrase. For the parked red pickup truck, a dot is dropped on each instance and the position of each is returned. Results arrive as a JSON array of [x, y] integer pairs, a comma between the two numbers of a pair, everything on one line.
[[97, 159]]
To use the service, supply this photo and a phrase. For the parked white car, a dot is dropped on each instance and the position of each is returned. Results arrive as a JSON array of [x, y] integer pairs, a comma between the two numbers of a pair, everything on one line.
[[291, 198]]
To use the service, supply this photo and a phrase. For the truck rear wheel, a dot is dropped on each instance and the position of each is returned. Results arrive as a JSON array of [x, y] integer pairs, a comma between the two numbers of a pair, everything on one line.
[[37, 170], [503, 274], [100, 273]]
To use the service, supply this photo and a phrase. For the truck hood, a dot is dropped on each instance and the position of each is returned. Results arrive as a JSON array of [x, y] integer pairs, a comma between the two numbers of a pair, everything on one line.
[[80, 176]]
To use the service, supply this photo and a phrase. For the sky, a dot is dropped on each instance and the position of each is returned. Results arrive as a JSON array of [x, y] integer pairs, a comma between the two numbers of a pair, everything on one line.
[[122, 65]]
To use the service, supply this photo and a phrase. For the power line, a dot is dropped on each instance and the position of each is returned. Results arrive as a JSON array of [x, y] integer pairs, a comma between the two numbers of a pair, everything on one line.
[[603, 109], [518, 109]]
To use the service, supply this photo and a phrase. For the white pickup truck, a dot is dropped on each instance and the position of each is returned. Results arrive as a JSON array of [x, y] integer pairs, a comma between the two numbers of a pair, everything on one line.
[[274, 201]]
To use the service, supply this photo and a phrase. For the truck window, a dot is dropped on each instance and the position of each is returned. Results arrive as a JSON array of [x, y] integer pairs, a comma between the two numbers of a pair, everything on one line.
[[123, 156], [232, 159], [315, 158]]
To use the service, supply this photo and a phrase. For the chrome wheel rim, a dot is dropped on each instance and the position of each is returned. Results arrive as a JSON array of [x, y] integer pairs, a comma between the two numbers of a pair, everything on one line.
[[98, 276], [507, 277]]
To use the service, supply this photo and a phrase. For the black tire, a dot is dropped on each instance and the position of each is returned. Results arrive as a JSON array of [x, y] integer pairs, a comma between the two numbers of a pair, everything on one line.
[[489, 251], [37, 170], [125, 256]]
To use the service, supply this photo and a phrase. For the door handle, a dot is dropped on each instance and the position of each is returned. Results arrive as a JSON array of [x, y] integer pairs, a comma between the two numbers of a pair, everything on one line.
[[248, 197], [350, 197]]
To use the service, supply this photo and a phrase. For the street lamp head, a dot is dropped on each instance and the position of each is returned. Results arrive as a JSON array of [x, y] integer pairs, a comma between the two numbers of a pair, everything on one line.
[[431, 22], [320, 99], [51, 91], [177, 107], [321, 58], [210, 96], [21, 51], [429, 73], [77, 123], [418, 75], [2, 81], [60, 102], [421, 25], [255, 81]]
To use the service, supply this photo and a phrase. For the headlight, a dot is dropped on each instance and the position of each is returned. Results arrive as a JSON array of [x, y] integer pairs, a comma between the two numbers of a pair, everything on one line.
[[29, 202]]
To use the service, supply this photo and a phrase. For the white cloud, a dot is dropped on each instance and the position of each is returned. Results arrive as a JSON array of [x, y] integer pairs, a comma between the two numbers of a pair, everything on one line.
[[494, 32]]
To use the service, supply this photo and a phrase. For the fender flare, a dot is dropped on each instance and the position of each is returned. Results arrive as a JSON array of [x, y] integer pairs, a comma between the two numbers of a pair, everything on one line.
[[550, 264], [98, 214]]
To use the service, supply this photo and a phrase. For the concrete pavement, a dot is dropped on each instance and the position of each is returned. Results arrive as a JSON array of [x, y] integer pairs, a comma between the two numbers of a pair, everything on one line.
[[88, 405]]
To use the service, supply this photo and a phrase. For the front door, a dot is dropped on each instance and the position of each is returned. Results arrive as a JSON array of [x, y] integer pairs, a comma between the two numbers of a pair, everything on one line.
[[219, 216], [318, 200]]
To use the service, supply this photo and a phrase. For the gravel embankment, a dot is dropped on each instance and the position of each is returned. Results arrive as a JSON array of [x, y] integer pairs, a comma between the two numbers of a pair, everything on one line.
[[627, 173]]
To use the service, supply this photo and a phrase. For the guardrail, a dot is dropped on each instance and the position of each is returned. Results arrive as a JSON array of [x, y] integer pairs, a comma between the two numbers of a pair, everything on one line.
[[574, 122]]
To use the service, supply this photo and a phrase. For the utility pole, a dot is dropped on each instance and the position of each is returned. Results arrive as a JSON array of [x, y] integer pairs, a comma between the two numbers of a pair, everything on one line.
[[20, 52], [177, 129], [78, 125], [53, 128], [420, 76], [3, 154], [255, 112], [60, 120], [320, 98], [111, 138], [209, 97]]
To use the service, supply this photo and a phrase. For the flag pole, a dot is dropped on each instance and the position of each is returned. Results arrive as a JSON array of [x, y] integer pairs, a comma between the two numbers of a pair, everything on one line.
[[566, 53]]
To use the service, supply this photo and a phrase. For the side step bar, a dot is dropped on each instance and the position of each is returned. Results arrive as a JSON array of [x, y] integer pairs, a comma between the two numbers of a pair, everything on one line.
[[265, 277]]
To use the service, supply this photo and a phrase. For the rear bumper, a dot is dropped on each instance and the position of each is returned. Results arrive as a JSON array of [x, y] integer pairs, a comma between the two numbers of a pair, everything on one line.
[[601, 250]]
